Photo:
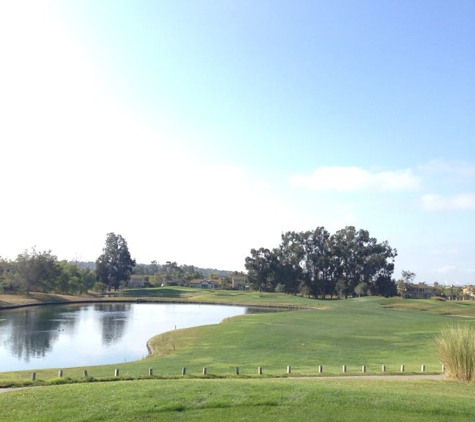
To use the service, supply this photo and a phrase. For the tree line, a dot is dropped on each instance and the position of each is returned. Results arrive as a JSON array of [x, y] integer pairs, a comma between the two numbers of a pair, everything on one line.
[[319, 264], [171, 274], [41, 271], [115, 266]]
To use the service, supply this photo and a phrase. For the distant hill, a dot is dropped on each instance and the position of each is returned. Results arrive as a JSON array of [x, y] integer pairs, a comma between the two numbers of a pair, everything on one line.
[[207, 271], [85, 264]]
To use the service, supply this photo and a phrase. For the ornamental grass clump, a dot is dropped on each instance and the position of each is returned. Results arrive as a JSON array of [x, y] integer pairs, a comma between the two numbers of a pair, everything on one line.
[[456, 347]]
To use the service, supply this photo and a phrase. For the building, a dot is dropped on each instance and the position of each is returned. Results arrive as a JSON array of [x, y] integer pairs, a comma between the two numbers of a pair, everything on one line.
[[240, 282], [137, 281], [419, 291], [203, 284]]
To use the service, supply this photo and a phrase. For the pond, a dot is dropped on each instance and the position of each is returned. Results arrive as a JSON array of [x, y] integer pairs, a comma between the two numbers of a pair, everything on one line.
[[94, 334]]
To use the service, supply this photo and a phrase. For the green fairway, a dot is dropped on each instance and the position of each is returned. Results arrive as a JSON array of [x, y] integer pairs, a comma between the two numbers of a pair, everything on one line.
[[244, 400], [228, 297]]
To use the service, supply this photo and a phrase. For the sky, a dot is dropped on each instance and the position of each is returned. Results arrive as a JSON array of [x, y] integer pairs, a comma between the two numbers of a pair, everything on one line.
[[199, 130]]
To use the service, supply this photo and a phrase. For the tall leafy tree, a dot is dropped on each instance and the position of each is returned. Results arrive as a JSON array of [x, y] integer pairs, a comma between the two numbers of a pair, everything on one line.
[[318, 253], [290, 256], [404, 282], [326, 264], [261, 267], [115, 264], [408, 276], [348, 259], [379, 267], [36, 271], [72, 279]]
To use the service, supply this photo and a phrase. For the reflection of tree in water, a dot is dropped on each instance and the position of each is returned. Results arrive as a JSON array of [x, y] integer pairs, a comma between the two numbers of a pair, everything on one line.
[[34, 330], [114, 318]]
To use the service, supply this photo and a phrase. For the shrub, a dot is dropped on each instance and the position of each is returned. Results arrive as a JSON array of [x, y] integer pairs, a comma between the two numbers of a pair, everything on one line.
[[456, 347], [99, 287]]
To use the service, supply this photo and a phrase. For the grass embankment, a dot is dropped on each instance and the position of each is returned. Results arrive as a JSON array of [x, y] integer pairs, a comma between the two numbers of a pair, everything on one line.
[[34, 298], [164, 294], [244, 400]]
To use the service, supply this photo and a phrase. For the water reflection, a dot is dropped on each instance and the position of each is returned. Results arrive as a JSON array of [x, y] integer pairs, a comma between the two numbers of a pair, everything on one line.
[[113, 318], [31, 332], [93, 334]]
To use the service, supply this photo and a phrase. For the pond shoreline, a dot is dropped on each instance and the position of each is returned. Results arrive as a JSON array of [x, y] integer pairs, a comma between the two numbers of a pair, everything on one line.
[[96, 333], [151, 300]]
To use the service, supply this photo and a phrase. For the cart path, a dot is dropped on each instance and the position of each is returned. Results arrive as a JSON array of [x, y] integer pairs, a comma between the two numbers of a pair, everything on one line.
[[6, 390]]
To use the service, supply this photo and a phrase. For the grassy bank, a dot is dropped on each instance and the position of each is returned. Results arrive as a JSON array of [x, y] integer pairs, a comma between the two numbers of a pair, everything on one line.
[[244, 400], [34, 298], [164, 294]]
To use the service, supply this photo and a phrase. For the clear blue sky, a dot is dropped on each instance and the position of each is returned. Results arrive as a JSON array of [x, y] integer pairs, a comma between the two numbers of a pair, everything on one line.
[[201, 129]]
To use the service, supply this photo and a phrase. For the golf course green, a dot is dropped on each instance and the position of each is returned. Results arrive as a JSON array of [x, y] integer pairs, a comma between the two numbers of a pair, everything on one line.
[[314, 338]]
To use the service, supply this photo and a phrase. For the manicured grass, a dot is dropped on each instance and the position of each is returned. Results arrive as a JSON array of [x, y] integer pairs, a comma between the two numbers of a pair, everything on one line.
[[244, 400], [228, 297], [448, 307]]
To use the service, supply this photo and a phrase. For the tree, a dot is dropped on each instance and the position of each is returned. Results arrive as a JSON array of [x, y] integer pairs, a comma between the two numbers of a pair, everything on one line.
[[88, 279], [289, 263], [99, 287], [5, 280], [352, 250], [408, 276], [318, 253], [325, 264], [401, 287], [69, 280], [341, 288], [379, 267], [361, 289], [115, 264], [383, 285], [36, 271], [261, 267]]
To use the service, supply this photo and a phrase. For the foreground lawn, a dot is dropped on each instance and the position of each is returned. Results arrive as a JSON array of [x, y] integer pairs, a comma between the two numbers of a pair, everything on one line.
[[244, 400]]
